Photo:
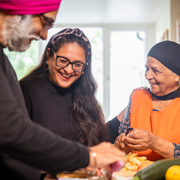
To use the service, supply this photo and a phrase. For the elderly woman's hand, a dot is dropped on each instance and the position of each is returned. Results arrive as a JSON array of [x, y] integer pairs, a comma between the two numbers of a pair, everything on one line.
[[140, 140], [120, 143]]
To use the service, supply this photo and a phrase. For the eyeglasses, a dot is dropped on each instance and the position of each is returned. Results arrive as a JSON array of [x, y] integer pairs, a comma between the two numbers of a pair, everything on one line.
[[48, 21], [64, 62]]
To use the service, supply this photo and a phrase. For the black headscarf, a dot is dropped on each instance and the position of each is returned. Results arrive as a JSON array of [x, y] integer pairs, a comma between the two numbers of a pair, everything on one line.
[[167, 53]]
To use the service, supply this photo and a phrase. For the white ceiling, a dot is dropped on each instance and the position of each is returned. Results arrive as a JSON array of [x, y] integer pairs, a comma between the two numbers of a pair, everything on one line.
[[109, 11]]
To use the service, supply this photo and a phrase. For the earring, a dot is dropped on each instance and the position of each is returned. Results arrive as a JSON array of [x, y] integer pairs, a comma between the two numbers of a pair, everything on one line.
[[82, 72], [47, 62]]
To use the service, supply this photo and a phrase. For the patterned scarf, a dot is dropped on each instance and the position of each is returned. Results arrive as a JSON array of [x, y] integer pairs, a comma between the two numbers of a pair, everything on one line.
[[77, 32]]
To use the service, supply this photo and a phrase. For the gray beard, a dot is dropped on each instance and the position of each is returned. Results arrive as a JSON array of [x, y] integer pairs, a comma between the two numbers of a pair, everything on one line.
[[18, 33]]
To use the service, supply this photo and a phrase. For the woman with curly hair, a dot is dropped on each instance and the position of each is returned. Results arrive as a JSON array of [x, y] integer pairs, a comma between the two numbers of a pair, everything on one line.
[[60, 92]]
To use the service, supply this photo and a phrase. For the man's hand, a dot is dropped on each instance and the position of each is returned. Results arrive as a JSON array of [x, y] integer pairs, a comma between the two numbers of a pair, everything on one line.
[[106, 154]]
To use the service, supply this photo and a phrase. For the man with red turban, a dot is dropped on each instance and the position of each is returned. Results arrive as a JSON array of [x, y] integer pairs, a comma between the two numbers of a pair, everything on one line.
[[25, 147]]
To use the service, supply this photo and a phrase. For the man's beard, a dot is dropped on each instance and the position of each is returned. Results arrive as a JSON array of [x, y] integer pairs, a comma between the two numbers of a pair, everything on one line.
[[18, 33]]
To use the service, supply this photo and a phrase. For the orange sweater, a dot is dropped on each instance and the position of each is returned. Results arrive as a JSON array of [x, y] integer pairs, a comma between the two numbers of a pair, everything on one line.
[[165, 123]]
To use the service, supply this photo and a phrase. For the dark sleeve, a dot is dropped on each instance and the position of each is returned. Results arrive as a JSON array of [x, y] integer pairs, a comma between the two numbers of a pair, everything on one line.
[[126, 119], [31, 143], [27, 98], [176, 150], [112, 127]]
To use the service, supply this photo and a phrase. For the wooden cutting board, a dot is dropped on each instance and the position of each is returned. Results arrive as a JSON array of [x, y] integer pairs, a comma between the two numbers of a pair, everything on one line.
[[74, 174], [125, 173]]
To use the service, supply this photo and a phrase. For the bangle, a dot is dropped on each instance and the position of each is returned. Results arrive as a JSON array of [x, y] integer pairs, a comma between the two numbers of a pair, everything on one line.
[[95, 168]]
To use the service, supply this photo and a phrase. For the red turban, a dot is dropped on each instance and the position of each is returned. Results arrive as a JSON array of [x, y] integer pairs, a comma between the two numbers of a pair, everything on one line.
[[25, 7]]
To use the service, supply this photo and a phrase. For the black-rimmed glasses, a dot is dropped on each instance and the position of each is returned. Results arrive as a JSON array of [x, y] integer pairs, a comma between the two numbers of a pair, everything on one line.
[[49, 21], [64, 62]]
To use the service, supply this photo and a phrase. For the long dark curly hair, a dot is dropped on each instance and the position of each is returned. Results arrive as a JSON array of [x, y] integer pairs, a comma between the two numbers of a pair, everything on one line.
[[85, 109]]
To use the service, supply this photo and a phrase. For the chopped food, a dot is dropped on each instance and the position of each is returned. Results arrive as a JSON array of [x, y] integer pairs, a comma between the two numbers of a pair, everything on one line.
[[132, 162]]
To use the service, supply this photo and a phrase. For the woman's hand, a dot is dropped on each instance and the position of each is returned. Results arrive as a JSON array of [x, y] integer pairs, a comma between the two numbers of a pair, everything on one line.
[[106, 154], [120, 143], [140, 140]]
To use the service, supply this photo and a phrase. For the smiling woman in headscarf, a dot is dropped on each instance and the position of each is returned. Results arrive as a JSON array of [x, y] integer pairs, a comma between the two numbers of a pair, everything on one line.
[[154, 113]]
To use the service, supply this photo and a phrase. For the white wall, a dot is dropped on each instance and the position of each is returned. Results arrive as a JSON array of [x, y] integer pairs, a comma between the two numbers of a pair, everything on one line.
[[175, 16], [163, 23], [150, 37]]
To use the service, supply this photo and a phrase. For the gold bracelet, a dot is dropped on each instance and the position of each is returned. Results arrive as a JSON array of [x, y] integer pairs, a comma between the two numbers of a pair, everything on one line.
[[95, 168]]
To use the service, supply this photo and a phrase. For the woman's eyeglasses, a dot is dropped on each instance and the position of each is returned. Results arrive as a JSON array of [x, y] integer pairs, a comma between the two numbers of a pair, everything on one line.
[[64, 62]]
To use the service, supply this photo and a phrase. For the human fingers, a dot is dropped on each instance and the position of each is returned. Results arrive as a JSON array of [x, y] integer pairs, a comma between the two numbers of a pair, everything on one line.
[[120, 142], [120, 145], [116, 144], [143, 135], [140, 145], [123, 147], [137, 134], [123, 137], [120, 138], [98, 172], [137, 147], [90, 169], [107, 154], [133, 141], [137, 144], [139, 88]]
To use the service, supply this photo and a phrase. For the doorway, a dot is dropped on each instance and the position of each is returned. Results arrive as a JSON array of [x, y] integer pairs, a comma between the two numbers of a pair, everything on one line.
[[127, 64]]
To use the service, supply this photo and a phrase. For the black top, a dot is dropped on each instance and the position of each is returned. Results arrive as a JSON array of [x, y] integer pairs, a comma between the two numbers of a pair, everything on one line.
[[23, 142], [49, 106], [113, 126]]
